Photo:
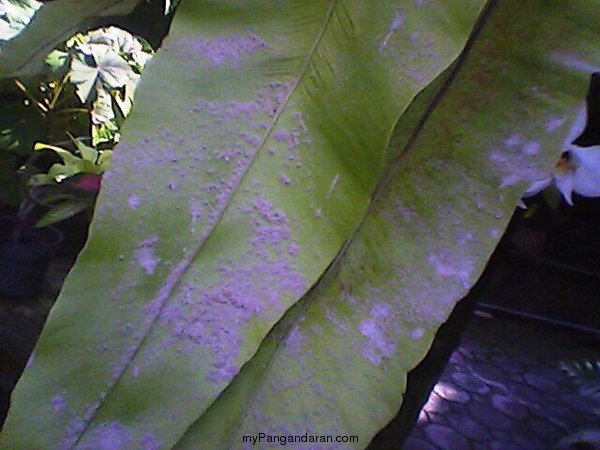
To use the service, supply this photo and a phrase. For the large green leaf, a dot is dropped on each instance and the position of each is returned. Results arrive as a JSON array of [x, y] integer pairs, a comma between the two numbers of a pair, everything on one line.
[[53, 23], [253, 151], [337, 363]]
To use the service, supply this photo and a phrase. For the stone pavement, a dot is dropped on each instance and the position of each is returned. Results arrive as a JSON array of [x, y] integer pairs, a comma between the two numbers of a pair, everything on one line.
[[503, 389]]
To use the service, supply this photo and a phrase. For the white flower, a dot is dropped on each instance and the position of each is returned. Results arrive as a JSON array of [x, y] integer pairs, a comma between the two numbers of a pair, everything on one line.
[[578, 171]]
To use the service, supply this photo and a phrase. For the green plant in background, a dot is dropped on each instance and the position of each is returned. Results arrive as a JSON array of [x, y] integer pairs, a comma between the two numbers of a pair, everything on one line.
[[65, 203], [104, 66], [89, 94], [89, 160], [303, 193]]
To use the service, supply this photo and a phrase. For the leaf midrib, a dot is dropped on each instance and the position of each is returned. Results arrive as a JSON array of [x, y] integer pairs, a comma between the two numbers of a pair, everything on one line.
[[182, 268]]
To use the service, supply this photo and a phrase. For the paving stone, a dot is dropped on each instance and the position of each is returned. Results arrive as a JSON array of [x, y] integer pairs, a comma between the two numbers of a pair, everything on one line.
[[489, 372], [500, 435], [446, 438], [554, 409], [451, 392], [507, 445], [423, 419], [465, 353], [577, 403], [489, 416], [436, 404], [546, 430], [554, 374], [508, 365], [563, 426], [535, 409], [417, 444], [540, 383], [480, 446], [458, 360], [418, 433], [475, 347], [479, 398], [458, 408], [470, 383], [526, 440], [468, 427], [526, 394], [509, 406], [480, 357], [539, 406], [516, 378], [439, 419]]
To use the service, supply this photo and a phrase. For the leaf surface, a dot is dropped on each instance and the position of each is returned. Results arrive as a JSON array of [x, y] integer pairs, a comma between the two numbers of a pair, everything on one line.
[[257, 139], [336, 364]]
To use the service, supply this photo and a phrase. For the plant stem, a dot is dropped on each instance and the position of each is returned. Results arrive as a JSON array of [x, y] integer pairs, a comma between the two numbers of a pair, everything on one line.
[[57, 91], [71, 110], [23, 89]]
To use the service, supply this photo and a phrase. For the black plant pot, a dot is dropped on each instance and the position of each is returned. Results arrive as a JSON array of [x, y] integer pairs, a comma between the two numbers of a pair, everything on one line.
[[24, 258]]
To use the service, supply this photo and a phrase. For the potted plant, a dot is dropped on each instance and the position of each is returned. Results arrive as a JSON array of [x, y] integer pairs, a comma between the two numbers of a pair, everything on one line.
[[29, 239], [25, 253]]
